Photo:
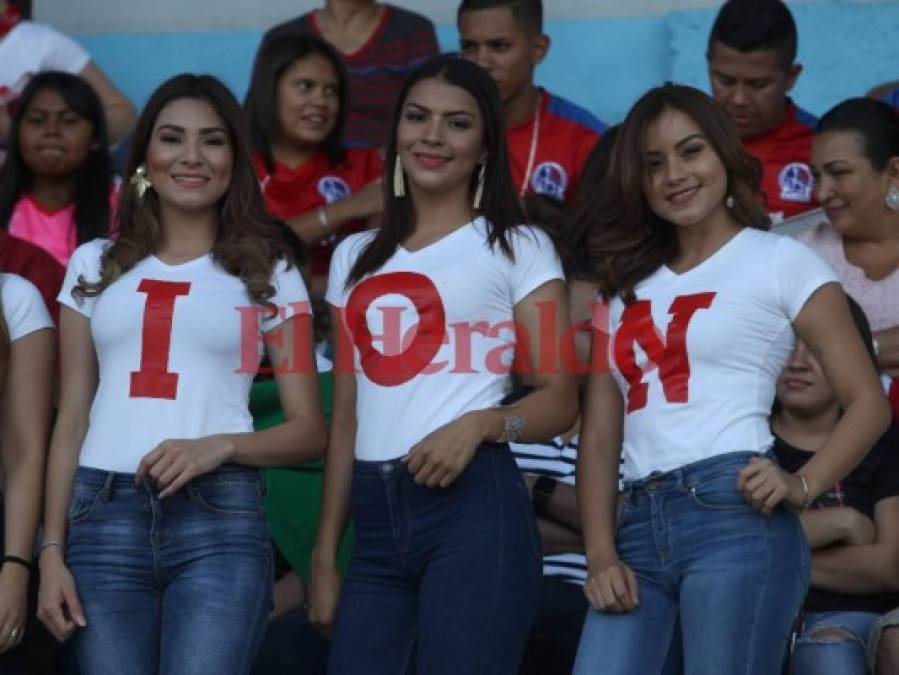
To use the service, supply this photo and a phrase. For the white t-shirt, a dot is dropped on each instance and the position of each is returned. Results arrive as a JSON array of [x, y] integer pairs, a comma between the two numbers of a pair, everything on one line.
[[31, 48], [23, 308], [177, 347], [698, 355], [459, 342]]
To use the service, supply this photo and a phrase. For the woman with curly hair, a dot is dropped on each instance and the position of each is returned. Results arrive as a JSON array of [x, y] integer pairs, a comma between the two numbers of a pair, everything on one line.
[[702, 308], [155, 552]]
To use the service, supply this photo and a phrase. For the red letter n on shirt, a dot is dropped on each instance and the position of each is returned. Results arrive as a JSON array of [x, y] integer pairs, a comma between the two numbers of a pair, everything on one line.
[[670, 357]]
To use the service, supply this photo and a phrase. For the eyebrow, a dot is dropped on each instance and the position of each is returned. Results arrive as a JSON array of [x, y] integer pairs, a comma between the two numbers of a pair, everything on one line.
[[836, 162], [445, 112], [203, 132], [681, 142]]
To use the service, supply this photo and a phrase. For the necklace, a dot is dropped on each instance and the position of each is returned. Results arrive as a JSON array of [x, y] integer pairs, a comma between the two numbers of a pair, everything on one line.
[[532, 151]]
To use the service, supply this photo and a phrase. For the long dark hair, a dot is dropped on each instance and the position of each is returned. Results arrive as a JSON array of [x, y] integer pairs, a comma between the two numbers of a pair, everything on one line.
[[499, 205], [261, 103], [875, 122], [92, 180], [627, 240], [248, 243]]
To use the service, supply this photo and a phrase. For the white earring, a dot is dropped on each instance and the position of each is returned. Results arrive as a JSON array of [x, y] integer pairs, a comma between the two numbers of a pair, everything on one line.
[[479, 190], [729, 202], [399, 184], [892, 198]]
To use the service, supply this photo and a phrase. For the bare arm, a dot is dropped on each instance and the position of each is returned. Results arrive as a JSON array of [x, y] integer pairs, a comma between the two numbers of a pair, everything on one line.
[[119, 111], [826, 326], [362, 205], [556, 538], [561, 507], [58, 606], [836, 525], [335, 510], [27, 404], [299, 438], [26, 423], [872, 568]]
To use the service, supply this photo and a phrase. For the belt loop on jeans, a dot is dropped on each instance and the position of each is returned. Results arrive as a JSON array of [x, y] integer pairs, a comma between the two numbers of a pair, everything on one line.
[[106, 490]]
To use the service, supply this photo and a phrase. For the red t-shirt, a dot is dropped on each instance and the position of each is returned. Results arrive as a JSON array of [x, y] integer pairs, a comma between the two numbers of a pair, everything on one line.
[[565, 137], [785, 153], [292, 192]]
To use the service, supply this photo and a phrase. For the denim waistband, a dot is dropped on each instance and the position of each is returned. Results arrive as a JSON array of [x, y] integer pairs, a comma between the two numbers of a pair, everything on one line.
[[387, 466], [684, 477], [108, 481]]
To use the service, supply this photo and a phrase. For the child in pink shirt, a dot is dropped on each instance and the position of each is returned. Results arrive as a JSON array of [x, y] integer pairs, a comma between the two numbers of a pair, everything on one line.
[[56, 189]]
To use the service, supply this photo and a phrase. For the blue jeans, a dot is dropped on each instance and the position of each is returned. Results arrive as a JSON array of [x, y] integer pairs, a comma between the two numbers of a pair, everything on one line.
[[733, 578], [455, 571], [180, 585], [840, 653]]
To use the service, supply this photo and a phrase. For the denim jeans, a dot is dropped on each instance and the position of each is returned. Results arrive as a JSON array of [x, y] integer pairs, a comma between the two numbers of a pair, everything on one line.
[[179, 585], [456, 571], [815, 653], [733, 578], [552, 643]]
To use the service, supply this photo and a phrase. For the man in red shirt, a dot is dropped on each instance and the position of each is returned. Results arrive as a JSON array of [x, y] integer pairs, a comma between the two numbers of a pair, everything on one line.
[[549, 138], [752, 67]]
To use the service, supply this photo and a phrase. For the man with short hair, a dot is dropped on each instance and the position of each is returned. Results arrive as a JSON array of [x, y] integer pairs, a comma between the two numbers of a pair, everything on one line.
[[752, 67], [549, 138]]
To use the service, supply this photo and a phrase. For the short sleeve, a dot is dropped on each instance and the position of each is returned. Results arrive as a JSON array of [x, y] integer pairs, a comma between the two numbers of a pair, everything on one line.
[[536, 261], [341, 263], [84, 263], [59, 51], [799, 272], [291, 296], [23, 308]]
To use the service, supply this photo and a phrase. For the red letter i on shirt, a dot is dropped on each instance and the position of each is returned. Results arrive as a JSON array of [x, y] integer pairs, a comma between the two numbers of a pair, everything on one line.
[[154, 380]]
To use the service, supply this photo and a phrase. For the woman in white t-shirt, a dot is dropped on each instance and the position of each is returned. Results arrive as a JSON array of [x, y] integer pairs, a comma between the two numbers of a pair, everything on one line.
[[702, 307], [446, 552], [163, 562], [27, 348], [28, 48]]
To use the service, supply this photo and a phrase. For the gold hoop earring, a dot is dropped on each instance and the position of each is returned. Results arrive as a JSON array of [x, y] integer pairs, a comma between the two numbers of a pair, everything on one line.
[[479, 190], [140, 182], [399, 184]]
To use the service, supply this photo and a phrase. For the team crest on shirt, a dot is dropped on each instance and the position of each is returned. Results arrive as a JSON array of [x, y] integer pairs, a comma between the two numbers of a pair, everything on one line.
[[550, 179], [333, 188], [796, 182]]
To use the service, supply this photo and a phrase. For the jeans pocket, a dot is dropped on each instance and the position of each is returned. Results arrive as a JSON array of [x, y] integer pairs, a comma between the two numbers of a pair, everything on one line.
[[81, 506], [228, 497], [718, 492]]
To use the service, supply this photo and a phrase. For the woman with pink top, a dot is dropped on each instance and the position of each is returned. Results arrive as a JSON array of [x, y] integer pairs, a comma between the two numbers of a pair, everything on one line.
[[55, 188]]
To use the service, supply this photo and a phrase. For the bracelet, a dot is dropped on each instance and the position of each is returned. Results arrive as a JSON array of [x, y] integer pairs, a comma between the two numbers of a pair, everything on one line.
[[18, 561], [513, 427], [807, 500], [50, 544], [323, 218]]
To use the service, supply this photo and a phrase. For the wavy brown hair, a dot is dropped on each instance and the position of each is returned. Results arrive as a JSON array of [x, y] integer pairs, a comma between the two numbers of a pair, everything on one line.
[[626, 239], [248, 243]]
